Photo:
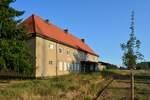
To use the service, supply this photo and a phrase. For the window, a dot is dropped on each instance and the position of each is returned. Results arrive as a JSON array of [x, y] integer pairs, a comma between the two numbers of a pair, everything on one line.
[[65, 66], [67, 52], [78, 67], [60, 50], [60, 66], [68, 66], [51, 46], [71, 67], [91, 67], [50, 62], [74, 67]]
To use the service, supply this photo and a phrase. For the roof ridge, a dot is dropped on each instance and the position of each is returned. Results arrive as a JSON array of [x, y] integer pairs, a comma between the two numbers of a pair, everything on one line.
[[33, 19]]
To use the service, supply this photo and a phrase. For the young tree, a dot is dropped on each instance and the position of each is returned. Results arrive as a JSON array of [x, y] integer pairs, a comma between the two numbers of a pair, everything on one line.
[[131, 55], [14, 52]]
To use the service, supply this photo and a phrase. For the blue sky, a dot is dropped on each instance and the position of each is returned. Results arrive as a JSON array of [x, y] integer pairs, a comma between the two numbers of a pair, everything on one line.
[[103, 23]]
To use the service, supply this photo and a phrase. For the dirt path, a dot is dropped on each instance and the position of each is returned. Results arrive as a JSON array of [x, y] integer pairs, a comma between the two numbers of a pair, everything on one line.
[[120, 89], [117, 90]]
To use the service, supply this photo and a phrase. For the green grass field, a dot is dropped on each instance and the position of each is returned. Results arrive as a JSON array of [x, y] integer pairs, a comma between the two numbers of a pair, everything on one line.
[[73, 86], [78, 87]]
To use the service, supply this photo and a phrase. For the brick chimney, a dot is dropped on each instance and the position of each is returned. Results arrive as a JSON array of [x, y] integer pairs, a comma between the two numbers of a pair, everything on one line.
[[46, 20], [83, 40], [66, 30]]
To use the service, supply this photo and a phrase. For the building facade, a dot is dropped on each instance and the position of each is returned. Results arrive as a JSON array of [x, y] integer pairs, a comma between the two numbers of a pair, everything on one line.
[[57, 52]]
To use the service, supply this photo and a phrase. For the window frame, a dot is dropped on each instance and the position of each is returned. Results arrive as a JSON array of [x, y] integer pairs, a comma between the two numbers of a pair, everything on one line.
[[50, 62], [51, 46], [60, 48]]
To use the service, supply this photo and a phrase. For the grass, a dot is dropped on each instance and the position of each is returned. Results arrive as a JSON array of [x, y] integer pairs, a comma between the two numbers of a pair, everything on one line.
[[74, 86], [142, 85], [78, 87], [120, 88], [117, 71]]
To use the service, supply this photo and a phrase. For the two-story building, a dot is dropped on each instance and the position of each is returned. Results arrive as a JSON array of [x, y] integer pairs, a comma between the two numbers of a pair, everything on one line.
[[56, 51]]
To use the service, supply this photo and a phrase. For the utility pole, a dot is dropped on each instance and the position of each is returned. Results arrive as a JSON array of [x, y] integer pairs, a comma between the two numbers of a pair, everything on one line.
[[132, 67]]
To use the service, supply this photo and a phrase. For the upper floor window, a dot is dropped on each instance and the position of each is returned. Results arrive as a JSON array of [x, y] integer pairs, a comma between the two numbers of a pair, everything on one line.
[[60, 50], [51, 46], [67, 52]]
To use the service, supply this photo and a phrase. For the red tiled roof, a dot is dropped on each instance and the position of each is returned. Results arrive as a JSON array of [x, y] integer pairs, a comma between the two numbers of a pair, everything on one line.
[[37, 25]]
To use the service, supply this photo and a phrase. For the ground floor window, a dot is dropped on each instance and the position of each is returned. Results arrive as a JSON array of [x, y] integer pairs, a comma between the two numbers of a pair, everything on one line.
[[67, 66], [74, 67], [78, 67], [71, 67], [61, 66]]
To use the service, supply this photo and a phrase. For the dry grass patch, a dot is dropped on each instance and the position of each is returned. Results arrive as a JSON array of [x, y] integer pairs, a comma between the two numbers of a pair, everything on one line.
[[74, 86]]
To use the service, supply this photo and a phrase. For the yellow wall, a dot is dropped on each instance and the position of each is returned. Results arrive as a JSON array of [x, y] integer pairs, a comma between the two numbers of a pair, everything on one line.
[[43, 55], [47, 59], [92, 58], [46, 55], [101, 67]]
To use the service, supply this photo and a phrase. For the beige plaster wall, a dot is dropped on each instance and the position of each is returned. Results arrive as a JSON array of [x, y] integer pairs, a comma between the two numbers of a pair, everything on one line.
[[48, 60]]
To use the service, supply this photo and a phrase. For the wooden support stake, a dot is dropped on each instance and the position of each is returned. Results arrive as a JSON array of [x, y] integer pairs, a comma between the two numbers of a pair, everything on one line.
[[132, 85]]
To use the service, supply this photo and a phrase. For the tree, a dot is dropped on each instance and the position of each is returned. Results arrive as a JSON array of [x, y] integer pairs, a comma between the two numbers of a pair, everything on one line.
[[131, 55], [14, 52]]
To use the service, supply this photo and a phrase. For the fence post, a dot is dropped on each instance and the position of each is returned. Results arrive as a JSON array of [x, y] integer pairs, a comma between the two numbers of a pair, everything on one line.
[[132, 85]]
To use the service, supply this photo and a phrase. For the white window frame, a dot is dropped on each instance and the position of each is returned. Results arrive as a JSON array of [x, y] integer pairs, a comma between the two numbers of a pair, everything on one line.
[[51, 46], [65, 66], [61, 66], [68, 66]]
